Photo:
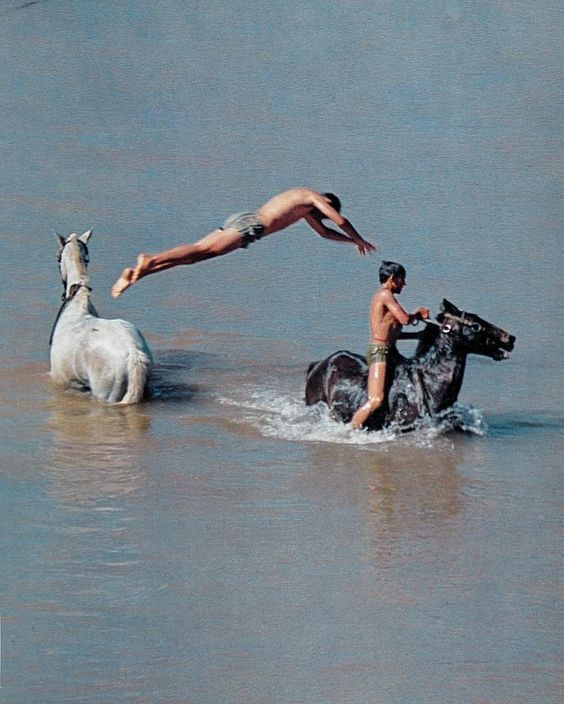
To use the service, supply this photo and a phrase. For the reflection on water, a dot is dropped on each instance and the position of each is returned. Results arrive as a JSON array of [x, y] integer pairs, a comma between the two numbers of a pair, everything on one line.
[[412, 506], [408, 489], [421, 491], [416, 507], [95, 449]]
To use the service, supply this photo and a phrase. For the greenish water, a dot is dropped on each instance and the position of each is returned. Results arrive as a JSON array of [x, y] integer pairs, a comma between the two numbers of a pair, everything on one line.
[[220, 544]]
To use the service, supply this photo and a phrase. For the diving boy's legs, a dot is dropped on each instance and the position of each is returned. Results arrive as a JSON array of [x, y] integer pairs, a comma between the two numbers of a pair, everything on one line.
[[215, 244], [376, 378]]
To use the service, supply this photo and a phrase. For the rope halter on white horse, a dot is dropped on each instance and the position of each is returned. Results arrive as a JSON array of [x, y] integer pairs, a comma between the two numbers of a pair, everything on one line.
[[74, 289]]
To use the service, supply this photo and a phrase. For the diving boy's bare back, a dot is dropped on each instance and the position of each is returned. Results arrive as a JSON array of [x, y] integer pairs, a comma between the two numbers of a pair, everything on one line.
[[288, 207], [240, 230]]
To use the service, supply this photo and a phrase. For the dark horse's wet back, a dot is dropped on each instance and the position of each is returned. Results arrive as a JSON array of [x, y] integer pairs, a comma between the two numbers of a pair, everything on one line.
[[421, 386]]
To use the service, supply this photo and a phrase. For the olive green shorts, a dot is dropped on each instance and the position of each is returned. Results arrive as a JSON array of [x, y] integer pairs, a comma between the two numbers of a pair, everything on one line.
[[377, 353], [249, 226]]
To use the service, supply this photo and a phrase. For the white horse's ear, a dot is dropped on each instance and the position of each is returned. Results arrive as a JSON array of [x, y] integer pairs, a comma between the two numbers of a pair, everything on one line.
[[86, 236], [60, 243]]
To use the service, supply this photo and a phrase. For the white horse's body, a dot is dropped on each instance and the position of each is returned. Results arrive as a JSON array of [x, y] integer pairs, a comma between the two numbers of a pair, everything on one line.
[[108, 357]]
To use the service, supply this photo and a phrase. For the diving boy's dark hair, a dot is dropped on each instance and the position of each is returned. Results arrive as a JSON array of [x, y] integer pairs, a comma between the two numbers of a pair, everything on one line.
[[388, 269], [333, 200]]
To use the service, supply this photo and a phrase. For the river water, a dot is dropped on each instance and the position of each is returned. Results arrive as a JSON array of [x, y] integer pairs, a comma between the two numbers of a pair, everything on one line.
[[221, 543]]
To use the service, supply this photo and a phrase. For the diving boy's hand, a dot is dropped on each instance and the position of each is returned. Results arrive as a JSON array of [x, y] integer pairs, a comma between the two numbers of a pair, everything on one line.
[[365, 247]]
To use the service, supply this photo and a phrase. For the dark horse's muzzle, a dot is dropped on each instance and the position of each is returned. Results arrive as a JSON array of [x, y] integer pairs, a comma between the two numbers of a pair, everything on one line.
[[501, 344]]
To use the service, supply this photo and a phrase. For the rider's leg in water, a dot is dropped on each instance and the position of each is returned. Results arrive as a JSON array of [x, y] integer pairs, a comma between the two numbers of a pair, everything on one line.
[[376, 379]]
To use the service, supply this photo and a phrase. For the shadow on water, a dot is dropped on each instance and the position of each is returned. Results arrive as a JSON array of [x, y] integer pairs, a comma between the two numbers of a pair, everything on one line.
[[513, 424], [167, 382], [22, 6], [177, 359]]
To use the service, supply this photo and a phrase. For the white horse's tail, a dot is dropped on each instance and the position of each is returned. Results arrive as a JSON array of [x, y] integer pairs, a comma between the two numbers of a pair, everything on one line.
[[139, 370]]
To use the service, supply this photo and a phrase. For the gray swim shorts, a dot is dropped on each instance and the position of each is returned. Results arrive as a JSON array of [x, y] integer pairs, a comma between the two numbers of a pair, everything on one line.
[[249, 226], [376, 353]]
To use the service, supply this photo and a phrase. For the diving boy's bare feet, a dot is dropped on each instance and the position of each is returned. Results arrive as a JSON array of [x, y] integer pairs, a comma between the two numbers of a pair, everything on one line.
[[123, 283], [129, 276]]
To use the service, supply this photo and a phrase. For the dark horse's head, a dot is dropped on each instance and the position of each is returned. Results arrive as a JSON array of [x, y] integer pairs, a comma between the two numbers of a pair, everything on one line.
[[474, 334]]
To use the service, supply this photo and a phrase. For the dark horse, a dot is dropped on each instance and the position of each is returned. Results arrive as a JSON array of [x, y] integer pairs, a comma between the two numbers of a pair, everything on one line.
[[418, 387]]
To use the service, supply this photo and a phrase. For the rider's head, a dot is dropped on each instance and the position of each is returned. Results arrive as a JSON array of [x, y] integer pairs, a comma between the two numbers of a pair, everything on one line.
[[394, 269], [334, 202]]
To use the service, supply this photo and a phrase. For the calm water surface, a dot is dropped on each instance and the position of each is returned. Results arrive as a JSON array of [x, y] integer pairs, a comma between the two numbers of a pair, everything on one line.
[[221, 543]]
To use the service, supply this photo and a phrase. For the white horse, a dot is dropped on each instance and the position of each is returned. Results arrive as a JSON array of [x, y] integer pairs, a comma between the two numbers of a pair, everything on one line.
[[109, 358]]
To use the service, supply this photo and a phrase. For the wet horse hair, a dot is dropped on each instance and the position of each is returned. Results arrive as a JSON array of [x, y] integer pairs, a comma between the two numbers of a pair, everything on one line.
[[109, 358], [417, 387]]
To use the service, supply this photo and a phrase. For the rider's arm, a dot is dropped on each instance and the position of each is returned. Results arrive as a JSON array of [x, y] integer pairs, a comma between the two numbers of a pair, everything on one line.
[[399, 313], [395, 309], [421, 313]]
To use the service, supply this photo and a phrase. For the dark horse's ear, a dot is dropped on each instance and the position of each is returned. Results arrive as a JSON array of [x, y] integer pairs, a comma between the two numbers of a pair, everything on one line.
[[448, 307]]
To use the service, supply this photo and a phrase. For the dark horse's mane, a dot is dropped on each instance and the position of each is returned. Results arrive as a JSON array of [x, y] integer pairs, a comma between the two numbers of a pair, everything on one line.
[[427, 339]]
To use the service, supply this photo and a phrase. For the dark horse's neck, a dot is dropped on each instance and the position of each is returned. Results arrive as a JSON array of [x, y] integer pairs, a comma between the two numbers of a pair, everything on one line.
[[438, 369]]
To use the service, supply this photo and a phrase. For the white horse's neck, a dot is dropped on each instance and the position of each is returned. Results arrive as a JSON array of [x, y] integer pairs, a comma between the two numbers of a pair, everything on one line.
[[73, 268]]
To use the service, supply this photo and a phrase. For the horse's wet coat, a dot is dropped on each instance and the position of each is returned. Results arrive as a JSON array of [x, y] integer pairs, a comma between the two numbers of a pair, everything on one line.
[[108, 358], [421, 386]]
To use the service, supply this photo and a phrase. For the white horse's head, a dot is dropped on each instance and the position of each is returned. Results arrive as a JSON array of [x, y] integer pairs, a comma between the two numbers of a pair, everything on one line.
[[72, 255]]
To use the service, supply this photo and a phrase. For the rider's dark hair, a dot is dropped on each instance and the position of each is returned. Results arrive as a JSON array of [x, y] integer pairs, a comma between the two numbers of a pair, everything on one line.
[[388, 269], [333, 200]]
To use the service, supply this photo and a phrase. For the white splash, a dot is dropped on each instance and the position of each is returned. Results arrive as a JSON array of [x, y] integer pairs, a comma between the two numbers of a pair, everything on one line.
[[286, 417]]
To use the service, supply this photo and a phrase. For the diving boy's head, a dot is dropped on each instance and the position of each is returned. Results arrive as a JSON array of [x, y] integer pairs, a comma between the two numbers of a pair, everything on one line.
[[334, 201], [394, 270]]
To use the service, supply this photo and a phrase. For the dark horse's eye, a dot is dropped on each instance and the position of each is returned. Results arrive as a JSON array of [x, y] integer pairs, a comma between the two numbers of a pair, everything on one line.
[[476, 327], [446, 328]]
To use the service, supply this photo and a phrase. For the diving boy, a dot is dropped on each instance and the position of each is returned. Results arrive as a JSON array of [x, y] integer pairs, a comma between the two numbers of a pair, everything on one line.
[[240, 230]]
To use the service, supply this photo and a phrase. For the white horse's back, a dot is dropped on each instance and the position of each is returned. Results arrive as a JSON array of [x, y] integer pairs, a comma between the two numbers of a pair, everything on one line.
[[110, 358]]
